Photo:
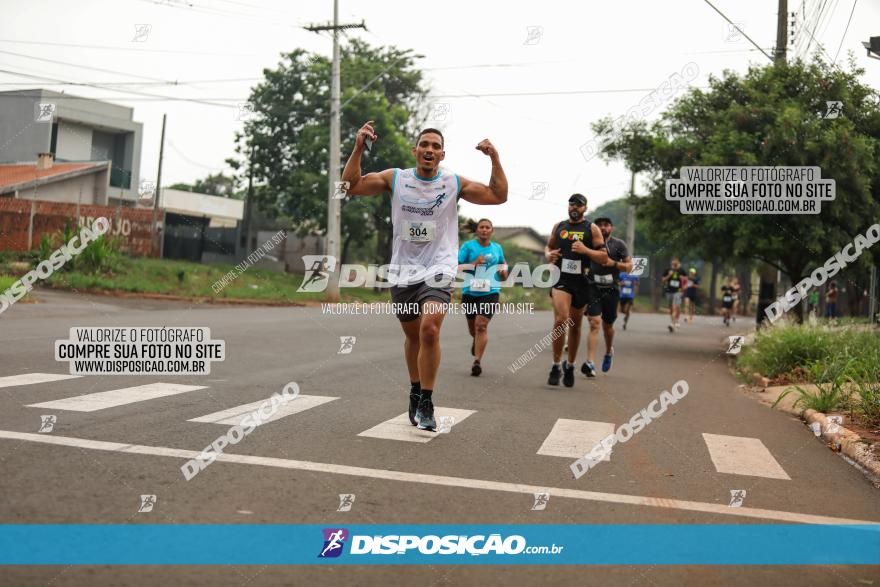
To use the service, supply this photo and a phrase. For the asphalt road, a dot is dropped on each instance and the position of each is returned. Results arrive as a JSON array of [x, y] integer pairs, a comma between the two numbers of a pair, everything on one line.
[[485, 470]]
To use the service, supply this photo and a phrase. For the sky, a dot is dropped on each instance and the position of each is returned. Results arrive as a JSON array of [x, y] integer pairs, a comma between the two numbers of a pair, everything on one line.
[[568, 64]]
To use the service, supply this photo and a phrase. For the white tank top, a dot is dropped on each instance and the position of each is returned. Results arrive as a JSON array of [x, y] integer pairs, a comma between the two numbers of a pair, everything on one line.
[[424, 213]]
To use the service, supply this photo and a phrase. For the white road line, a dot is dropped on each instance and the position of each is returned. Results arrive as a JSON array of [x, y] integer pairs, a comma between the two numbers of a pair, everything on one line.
[[739, 455], [399, 427], [575, 438], [442, 480], [102, 400], [233, 416], [32, 378]]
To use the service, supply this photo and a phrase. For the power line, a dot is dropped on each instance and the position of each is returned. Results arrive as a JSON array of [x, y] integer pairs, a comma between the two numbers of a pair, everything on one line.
[[117, 48], [851, 12], [724, 16], [559, 93], [223, 13], [100, 87], [101, 69], [813, 33]]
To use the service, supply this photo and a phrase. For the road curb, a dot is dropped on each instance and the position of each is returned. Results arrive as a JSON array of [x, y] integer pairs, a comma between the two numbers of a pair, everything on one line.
[[840, 438], [846, 441]]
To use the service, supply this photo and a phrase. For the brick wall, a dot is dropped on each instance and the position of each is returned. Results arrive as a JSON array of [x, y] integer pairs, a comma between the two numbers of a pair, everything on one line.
[[24, 222]]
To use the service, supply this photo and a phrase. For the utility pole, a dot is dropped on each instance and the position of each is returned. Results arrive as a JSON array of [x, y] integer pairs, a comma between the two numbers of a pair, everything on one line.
[[331, 247], [781, 31], [159, 193], [767, 274], [631, 217], [245, 237]]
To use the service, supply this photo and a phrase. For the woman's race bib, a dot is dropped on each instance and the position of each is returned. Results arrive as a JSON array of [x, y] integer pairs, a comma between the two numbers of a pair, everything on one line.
[[674, 283], [481, 285]]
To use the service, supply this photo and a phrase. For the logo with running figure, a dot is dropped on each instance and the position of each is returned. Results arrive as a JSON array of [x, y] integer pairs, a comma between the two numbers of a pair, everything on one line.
[[334, 542], [318, 269], [735, 344], [438, 199], [640, 265], [47, 423]]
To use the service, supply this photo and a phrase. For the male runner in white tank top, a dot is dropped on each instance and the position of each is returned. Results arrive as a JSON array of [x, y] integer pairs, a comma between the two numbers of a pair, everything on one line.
[[424, 213]]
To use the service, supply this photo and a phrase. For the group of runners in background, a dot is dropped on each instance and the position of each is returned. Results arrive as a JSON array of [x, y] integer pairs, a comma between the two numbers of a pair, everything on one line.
[[594, 266]]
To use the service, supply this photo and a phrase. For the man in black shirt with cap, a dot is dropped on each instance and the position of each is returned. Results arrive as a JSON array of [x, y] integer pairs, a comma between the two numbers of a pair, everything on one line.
[[604, 296], [574, 243]]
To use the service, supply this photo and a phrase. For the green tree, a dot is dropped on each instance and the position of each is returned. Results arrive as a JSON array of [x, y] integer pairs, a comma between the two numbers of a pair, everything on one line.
[[290, 135], [216, 184], [768, 116]]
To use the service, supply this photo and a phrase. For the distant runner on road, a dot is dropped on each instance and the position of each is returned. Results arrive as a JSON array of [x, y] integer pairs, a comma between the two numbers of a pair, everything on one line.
[[727, 300], [567, 248], [673, 282], [424, 213], [628, 285], [480, 293]]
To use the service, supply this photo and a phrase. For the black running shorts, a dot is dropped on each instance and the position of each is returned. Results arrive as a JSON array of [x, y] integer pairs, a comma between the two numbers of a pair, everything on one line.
[[604, 301]]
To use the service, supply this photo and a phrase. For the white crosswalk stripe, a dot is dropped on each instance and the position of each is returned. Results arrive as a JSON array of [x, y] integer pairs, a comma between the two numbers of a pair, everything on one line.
[[399, 427], [32, 378], [93, 402], [739, 455], [575, 438], [234, 416]]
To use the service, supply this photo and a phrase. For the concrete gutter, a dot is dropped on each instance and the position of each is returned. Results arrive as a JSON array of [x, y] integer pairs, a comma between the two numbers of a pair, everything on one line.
[[839, 438]]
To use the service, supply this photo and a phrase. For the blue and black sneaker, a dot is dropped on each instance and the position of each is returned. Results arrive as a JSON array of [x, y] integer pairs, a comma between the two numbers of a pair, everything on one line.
[[555, 374], [414, 397], [588, 369], [606, 362], [567, 374], [425, 414]]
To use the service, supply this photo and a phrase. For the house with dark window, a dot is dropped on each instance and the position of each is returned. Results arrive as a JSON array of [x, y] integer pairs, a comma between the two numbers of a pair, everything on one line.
[[73, 130]]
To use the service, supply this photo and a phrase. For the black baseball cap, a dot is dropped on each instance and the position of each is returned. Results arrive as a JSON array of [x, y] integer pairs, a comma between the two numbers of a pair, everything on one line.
[[579, 199], [603, 219]]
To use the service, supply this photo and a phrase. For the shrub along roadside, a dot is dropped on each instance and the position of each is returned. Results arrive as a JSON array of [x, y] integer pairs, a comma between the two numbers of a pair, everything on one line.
[[843, 364]]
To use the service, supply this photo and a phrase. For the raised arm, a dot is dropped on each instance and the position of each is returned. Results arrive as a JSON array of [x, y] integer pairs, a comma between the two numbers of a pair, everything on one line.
[[551, 251], [494, 193], [371, 184]]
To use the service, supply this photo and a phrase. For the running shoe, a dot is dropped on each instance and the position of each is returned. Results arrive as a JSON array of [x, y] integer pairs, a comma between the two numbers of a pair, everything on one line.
[[476, 369], [671, 329], [588, 369], [567, 374], [555, 374], [414, 407], [606, 362], [425, 415]]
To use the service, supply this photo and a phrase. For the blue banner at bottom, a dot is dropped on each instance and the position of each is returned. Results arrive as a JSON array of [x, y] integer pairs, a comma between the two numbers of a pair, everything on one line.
[[384, 544]]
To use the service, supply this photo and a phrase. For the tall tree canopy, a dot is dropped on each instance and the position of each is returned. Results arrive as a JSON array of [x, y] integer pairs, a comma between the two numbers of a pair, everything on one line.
[[289, 131], [768, 116]]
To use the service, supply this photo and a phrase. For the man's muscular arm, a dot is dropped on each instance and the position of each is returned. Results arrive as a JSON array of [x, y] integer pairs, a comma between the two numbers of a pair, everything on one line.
[[371, 184], [598, 253], [494, 193], [551, 251]]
